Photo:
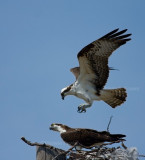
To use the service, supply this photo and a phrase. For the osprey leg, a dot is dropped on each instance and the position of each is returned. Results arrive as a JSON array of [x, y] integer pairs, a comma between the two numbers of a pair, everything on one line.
[[82, 107]]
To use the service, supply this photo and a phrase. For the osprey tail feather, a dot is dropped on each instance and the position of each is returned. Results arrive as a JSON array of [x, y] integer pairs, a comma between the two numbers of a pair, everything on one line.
[[114, 97]]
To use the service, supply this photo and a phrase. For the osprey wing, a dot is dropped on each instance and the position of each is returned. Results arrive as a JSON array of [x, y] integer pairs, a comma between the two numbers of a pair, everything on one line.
[[75, 71], [88, 137], [104, 136], [93, 58]]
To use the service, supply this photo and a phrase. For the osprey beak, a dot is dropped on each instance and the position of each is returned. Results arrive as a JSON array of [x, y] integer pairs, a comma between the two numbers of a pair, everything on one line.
[[62, 96], [51, 128]]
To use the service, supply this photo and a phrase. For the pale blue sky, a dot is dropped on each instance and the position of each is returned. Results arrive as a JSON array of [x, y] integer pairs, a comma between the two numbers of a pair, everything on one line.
[[39, 44]]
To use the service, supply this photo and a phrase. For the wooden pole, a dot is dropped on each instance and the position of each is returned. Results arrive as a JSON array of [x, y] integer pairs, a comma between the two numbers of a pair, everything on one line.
[[47, 153]]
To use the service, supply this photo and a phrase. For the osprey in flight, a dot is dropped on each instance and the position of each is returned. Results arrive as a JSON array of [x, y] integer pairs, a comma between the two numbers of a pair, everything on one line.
[[86, 138], [93, 72]]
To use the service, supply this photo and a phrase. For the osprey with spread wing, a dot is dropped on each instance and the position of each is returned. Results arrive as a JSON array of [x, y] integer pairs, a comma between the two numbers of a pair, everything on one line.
[[93, 72]]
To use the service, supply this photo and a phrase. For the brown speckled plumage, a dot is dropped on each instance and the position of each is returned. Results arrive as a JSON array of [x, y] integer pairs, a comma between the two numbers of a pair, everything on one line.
[[96, 54], [88, 138], [93, 72]]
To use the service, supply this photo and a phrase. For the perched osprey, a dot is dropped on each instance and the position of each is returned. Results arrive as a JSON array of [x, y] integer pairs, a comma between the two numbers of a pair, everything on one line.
[[93, 72], [86, 138]]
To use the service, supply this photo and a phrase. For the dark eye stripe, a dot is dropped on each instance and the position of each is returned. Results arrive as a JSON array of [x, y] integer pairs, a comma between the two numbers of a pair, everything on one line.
[[68, 88]]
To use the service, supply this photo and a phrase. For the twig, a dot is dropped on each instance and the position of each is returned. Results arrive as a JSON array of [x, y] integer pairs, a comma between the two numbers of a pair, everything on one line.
[[124, 146], [141, 155], [109, 123], [36, 144], [66, 152], [105, 144]]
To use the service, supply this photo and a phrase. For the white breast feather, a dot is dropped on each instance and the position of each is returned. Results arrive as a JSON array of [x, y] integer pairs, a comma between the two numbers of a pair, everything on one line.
[[85, 90]]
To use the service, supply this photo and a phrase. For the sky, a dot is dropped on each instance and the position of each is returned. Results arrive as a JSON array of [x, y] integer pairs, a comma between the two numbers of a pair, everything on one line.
[[39, 44]]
